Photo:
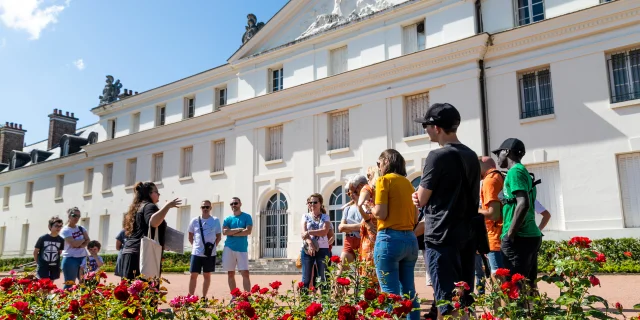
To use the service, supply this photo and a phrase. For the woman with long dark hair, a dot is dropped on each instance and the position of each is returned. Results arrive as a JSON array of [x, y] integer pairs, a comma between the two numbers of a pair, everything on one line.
[[142, 215], [396, 247]]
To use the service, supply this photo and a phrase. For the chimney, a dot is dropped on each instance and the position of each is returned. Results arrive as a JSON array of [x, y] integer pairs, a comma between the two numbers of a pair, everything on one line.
[[59, 125], [11, 138]]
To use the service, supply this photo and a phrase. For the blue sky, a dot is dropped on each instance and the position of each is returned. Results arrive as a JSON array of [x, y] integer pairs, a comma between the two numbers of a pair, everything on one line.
[[56, 53]]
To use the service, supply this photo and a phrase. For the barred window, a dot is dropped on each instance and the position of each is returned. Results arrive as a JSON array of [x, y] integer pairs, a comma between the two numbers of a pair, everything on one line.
[[624, 75], [339, 130], [156, 167], [218, 156], [415, 107], [274, 143], [187, 162], [536, 96]]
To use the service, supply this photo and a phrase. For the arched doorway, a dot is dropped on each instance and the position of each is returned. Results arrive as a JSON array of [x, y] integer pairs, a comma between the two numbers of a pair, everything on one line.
[[337, 199], [274, 227]]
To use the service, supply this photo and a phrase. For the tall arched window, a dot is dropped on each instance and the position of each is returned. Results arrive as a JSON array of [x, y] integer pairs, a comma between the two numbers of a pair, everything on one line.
[[336, 201], [274, 227], [416, 182]]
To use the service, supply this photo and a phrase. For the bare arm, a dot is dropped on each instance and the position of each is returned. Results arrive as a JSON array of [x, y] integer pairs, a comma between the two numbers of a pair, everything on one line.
[[118, 245], [158, 217], [98, 261], [320, 232], [191, 238], [421, 197], [345, 227], [520, 212], [218, 238], [36, 252], [493, 211], [380, 211], [546, 216], [244, 232], [74, 243], [419, 229]]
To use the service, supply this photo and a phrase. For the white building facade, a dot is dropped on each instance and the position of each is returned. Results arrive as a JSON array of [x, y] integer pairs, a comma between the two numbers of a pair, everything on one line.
[[289, 116]]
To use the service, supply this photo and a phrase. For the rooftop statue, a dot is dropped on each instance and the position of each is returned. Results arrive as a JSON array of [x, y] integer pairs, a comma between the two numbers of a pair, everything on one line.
[[253, 26], [111, 91]]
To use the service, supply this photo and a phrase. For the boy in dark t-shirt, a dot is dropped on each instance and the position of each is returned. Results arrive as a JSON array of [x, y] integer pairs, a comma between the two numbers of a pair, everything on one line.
[[48, 249]]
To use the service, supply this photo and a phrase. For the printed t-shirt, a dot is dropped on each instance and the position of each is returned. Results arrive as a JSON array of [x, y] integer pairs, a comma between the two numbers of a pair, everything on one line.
[[50, 248], [92, 264], [313, 224], [77, 233]]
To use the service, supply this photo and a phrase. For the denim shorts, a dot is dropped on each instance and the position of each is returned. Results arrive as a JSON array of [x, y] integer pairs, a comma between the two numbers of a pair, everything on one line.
[[202, 264]]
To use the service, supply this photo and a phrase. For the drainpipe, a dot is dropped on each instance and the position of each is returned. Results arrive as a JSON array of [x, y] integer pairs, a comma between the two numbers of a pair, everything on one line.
[[484, 116]]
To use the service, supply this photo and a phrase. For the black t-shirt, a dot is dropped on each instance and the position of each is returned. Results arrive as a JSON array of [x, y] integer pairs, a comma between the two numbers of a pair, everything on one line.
[[451, 206], [50, 248], [141, 228]]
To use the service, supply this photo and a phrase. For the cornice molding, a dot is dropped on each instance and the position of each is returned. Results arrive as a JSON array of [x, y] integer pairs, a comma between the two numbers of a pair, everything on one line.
[[28, 172], [544, 34]]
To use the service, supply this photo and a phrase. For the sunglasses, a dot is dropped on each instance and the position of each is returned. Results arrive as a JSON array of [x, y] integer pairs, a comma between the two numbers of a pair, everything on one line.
[[424, 126], [312, 202], [73, 215], [233, 203], [205, 207]]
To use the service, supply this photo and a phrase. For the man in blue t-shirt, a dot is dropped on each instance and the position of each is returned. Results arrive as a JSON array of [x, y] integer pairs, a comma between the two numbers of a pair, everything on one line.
[[237, 227]]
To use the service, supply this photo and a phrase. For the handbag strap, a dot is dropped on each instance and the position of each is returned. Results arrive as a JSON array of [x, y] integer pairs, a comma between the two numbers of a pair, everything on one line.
[[201, 232], [155, 236]]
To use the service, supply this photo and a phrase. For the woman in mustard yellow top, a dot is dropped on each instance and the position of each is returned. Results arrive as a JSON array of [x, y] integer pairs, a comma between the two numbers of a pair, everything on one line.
[[396, 249]]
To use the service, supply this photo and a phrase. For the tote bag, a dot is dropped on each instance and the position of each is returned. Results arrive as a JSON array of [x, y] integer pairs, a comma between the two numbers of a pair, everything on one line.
[[150, 255]]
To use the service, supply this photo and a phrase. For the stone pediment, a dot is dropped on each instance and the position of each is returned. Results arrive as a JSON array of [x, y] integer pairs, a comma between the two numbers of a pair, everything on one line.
[[301, 19]]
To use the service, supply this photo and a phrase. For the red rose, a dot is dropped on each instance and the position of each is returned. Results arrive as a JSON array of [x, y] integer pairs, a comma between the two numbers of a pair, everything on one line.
[[363, 304], [618, 306], [517, 277], [381, 298], [255, 288], [74, 306], [600, 257], [236, 292], [6, 283], [380, 314], [300, 285], [502, 272], [462, 284], [456, 305], [628, 254], [121, 293], [335, 259], [313, 309], [594, 281], [312, 288], [275, 285], [395, 297], [24, 282], [264, 290], [581, 242], [487, 316], [22, 307], [286, 317], [103, 275], [370, 294], [347, 312], [511, 290], [343, 281]]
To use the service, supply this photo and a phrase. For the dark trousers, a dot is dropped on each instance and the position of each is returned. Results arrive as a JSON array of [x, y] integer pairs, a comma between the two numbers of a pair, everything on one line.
[[449, 264], [521, 256]]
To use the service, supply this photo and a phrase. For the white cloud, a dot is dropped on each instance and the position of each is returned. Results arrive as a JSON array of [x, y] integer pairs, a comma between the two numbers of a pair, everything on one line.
[[79, 64], [29, 15]]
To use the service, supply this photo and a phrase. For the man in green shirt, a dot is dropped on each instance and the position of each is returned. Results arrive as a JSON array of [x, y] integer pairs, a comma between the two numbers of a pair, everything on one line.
[[521, 237]]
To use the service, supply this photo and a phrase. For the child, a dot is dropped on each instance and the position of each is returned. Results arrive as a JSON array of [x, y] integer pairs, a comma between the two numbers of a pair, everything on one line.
[[94, 261], [48, 249]]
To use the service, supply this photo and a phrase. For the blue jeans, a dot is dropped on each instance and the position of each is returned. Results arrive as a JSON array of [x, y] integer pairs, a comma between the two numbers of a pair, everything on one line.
[[308, 263], [479, 274], [495, 260], [395, 255], [70, 269]]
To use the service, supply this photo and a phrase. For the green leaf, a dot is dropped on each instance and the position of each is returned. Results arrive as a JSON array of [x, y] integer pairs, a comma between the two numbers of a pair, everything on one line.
[[594, 299], [595, 313], [637, 306], [442, 303]]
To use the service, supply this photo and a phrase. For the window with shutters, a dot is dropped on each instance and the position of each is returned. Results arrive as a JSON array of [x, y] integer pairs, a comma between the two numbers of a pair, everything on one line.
[[111, 129], [217, 156], [189, 108], [221, 97], [161, 115], [338, 60], [413, 38], [88, 181], [107, 177], [28, 197], [5, 199], [186, 162], [59, 187], [549, 193], [184, 218], [104, 232], [624, 75], [529, 11], [415, 107], [536, 95], [274, 143], [629, 175], [276, 77], [132, 165], [135, 122], [156, 167], [3, 236], [339, 130], [24, 239]]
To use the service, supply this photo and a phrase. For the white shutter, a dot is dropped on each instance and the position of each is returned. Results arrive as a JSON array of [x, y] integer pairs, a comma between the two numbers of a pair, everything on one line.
[[218, 156], [410, 39], [29, 196], [107, 177], [339, 134], [3, 233], [184, 218], [274, 143], [415, 108], [136, 122], [157, 167], [59, 186], [338, 60], [104, 232], [24, 239], [629, 171], [187, 161], [549, 193], [88, 182], [131, 171]]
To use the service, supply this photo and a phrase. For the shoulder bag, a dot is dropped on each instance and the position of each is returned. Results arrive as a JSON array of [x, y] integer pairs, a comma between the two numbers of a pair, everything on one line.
[[208, 246], [150, 255]]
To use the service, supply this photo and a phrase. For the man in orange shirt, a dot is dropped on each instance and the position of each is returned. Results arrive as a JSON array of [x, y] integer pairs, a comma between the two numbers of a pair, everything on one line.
[[490, 207]]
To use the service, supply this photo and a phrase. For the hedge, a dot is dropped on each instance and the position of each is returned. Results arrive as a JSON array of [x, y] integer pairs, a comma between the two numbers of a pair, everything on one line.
[[614, 249]]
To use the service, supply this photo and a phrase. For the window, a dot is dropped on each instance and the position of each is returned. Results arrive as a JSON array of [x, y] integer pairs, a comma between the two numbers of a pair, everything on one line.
[[274, 143], [218, 156], [28, 196], [624, 75], [111, 129], [277, 202], [629, 175], [161, 114], [221, 97], [59, 186], [3, 235], [415, 107], [131, 172], [156, 167], [274, 228], [186, 162], [276, 79], [413, 38], [416, 183], [24, 239], [5, 199], [529, 11], [336, 201], [184, 218], [189, 108], [536, 96], [549, 193], [338, 59], [107, 177], [135, 122], [88, 181], [104, 232], [339, 130]]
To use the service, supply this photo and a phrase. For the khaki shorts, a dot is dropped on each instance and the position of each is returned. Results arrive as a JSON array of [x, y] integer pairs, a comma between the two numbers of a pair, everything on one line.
[[231, 259]]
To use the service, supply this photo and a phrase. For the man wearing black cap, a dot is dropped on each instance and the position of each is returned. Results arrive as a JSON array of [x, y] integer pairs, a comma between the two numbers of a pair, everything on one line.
[[520, 235], [450, 190]]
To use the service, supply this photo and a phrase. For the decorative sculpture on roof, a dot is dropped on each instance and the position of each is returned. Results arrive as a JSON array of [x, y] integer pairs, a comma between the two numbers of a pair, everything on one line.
[[253, 26], [336, 8], [111, 91]]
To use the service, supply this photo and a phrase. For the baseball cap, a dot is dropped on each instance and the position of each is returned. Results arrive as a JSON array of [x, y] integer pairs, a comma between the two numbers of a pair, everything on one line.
[[511, 144], [443, 115]]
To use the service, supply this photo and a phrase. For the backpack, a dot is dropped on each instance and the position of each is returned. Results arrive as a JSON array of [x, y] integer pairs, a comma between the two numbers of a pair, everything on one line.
[[534, 183]]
